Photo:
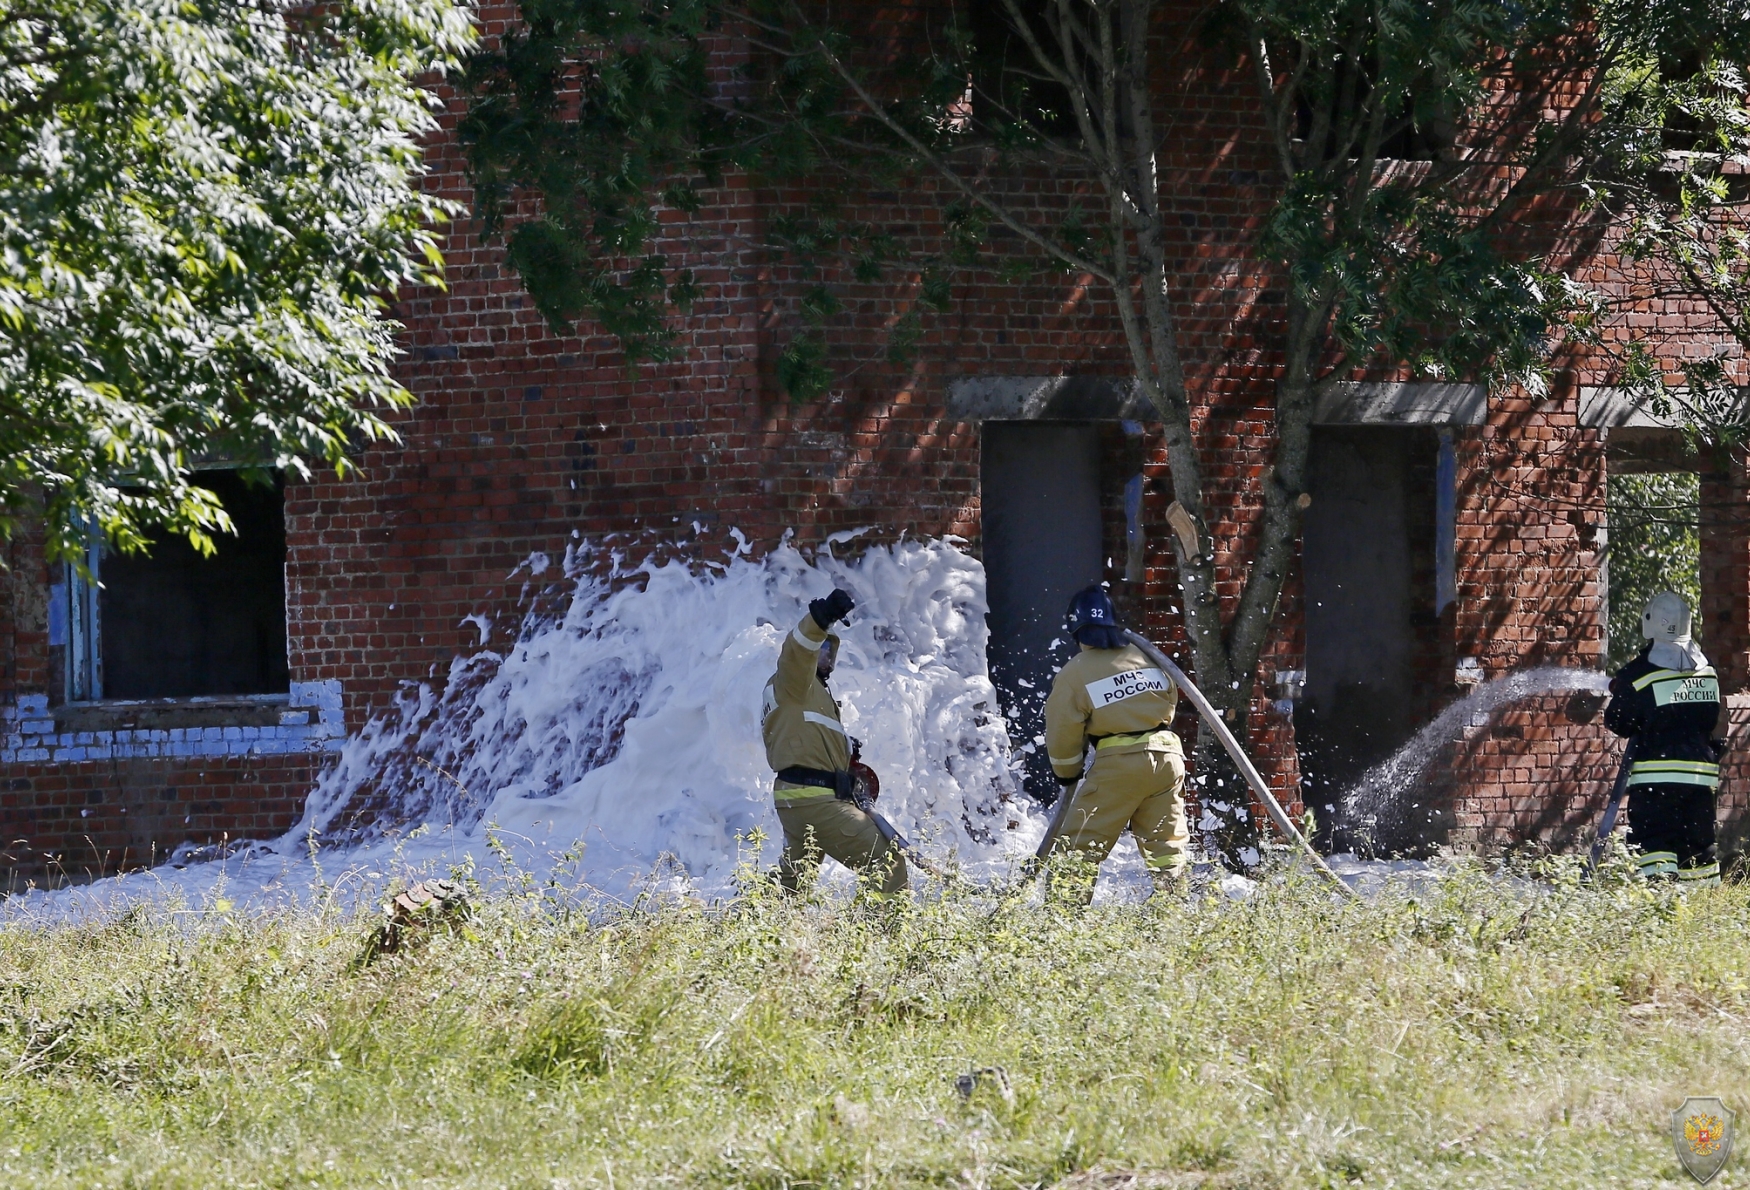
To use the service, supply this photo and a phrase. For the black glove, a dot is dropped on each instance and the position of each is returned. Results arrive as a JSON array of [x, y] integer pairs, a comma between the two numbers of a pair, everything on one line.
[[833, 608]]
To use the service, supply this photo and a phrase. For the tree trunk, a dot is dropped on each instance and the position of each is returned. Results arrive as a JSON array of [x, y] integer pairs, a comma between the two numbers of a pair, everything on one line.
[[1225, 656]]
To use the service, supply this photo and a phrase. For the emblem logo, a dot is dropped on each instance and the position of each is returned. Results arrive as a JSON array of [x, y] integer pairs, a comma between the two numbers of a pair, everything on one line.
[[1702, 1131], [1119, 687], [1686, 690]]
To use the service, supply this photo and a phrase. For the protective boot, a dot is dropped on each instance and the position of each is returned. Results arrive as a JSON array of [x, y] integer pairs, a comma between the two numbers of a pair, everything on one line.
[[1172, 882]]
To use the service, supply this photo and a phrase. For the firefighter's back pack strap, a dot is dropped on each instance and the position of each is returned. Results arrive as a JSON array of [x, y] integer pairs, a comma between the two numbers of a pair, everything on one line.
[[837, 780]]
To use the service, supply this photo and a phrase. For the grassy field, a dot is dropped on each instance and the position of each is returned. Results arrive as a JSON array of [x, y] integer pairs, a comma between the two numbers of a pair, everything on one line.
[[1484, 1033]]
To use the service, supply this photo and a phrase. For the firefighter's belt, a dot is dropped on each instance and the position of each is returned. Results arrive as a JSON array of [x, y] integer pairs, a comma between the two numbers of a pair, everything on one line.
[[1101, 743], [815, 783]]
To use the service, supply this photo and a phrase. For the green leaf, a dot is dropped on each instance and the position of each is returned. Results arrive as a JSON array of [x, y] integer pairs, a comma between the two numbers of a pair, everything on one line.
[[197, 269], [802, 369]]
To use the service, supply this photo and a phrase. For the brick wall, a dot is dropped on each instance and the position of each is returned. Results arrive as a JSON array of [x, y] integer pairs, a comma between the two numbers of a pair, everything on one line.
[[73, 821], [524, 439]]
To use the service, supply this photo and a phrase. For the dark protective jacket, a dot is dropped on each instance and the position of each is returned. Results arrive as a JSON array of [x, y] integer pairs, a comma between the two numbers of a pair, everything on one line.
[[1670, 715]]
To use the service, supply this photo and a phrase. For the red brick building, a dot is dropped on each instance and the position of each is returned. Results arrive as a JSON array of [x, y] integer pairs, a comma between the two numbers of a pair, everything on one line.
[[1453, 535]]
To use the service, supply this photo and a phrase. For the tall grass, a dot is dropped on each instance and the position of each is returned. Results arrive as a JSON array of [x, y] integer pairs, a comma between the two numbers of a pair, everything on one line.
[[1483, 1032]]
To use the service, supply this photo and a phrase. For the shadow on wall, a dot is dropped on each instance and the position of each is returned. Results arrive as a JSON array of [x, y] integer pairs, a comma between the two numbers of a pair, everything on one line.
[[1535, 775], [1733, 810]]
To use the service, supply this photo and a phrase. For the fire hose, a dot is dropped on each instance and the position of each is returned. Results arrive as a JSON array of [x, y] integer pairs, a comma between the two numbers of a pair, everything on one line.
[[865, 787], [1241, 761], [892, 835], [1613, 807]]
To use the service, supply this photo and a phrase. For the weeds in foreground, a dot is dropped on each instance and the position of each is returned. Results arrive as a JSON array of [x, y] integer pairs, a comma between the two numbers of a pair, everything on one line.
[[1483, 1032]]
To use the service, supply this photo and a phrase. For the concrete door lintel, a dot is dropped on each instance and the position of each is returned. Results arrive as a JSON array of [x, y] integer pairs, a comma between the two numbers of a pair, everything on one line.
[[1116, 398]]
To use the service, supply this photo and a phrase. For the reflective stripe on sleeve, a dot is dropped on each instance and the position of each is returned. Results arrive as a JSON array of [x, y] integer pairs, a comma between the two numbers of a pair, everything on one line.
[[1667, 675], [813, 646], [823, 720], [1064, 762]]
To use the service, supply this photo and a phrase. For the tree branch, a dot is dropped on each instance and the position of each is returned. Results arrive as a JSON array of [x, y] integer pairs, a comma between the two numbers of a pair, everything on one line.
[[1074, 259]]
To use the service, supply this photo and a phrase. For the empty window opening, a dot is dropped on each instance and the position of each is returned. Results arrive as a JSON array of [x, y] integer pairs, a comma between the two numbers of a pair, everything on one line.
[[1654, 544], [172, 623], [1008, 82], [1377, 566], [1040, 500], [1419, 129]]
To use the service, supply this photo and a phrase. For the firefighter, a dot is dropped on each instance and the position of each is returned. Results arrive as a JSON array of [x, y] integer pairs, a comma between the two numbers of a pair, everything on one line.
[[1667, 703], [1111, 696], [807, 747]]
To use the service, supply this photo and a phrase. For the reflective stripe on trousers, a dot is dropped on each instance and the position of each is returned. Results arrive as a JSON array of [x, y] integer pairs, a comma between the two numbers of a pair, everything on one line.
[[1664, 863], [1675, 772], [799, 795], [1656, 863]]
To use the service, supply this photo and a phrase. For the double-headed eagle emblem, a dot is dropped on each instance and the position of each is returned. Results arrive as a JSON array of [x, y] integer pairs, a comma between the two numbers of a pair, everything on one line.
[[1702, 1131]]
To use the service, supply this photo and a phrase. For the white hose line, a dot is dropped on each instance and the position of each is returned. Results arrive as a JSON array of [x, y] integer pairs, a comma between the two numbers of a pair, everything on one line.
[[1277, 815]]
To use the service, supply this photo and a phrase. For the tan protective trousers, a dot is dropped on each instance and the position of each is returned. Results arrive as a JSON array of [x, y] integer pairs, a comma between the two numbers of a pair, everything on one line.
[[1144, 791], [837, 828]]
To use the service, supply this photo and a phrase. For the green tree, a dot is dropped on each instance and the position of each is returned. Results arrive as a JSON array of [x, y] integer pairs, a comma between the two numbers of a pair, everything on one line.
[[1413, 148], [1655, 545], [204, 207], [1672, 145]]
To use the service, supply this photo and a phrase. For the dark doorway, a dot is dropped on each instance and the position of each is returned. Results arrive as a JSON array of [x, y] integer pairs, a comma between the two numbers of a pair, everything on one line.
[[1372, 645], [1040, 494], [176, 624]]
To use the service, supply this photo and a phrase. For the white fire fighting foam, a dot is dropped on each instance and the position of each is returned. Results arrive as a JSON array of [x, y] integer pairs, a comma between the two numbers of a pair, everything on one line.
[[1376, 794], [614, 747], [618, 742]]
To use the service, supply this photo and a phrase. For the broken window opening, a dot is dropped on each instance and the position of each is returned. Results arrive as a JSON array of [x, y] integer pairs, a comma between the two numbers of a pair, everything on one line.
[[172, 623], [74, 614], [1419, 128], [1654, 544], [1008, 76]]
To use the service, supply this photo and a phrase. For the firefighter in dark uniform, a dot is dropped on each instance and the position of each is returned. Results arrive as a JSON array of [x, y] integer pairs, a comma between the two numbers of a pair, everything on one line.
[[807, 748], [1667, 703]]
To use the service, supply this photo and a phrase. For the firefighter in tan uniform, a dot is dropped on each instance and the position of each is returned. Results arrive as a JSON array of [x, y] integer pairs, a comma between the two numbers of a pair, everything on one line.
[[1111, 696], [807, 747]]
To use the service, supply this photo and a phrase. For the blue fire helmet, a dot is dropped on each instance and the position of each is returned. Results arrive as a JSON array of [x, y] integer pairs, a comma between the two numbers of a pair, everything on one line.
[[1091, 608]]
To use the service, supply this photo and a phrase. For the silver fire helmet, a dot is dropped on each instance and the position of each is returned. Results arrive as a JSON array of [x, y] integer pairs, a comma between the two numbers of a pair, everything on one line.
[[1667, 617]]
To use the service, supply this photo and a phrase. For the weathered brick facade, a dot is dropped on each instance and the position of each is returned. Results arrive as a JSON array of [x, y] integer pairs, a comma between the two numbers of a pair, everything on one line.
[[523, 439]]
